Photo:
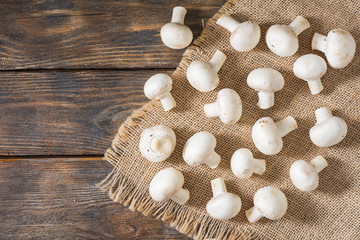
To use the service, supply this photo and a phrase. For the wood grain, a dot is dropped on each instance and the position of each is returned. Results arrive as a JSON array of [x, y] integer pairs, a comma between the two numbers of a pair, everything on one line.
[[57, 198], [66, 112], [92, 34]]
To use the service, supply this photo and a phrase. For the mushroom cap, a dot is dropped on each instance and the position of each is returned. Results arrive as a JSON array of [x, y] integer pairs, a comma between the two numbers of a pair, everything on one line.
[[242, 164], [246, 36], [266, 136], [157, 143], [329, 132], [202, 76], [265, 80], [282, 40], [224, 206], [340, 48], [310, 67], [304, 176], [176, 35], [165, 184], [198, 148], [271, 202], [229, 104], [157, 86]]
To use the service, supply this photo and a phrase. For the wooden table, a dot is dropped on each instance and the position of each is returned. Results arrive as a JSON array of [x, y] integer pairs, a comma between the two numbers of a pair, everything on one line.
[[71, 72]]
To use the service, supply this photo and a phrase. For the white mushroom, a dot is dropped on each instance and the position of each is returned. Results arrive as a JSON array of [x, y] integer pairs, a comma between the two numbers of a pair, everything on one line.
[[311, 68], [266, 81], [244, 36], [305, 175], [339, 47], [328, 130], [283, 40], [227, 106], [167, 184], [222, 205], [175, 34], [158, 87], [269, 202], [157, 143], [199, 149], [267, 135], [203, 76], [243, 164]]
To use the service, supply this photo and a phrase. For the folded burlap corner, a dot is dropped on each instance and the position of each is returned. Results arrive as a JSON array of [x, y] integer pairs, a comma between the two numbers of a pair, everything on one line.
[[330, 212]]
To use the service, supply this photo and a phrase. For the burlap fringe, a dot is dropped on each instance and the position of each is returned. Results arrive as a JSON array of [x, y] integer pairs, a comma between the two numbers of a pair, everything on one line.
[[122, 190]]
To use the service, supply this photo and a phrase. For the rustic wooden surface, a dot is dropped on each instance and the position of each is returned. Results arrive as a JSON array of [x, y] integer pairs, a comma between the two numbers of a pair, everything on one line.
[[70, 73]]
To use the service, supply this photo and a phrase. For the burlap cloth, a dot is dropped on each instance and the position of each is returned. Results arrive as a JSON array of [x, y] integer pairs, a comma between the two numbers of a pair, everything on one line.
[[332, 211]]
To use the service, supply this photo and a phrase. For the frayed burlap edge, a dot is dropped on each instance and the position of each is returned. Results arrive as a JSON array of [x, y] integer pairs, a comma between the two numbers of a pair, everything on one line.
[[122, 190]]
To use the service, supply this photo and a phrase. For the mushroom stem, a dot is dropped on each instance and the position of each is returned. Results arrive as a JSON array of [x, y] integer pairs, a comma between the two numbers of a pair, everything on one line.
[[299, 24], [217, 60], [228, 22], [319, 163], [286, 125], [218, 186], [211, 110], [253, 215], [213, 160], [315, 86], [259, 166], [181, 197], [161, 144], [167, 101], [266, 100], [178, 15], [319, 42], [322, 114]]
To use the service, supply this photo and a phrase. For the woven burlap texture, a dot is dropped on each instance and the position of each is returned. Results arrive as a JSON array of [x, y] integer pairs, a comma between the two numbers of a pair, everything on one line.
[[332, 211]]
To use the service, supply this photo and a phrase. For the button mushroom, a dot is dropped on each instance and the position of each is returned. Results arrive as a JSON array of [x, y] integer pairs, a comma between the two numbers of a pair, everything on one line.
[[175, 34], [167, 184], [283, 40], [311, 68], [267, 135], [158, 87], [222, 205], [269, 202], [157, 143], [266, 81], [243, 164], [338, 46], [199, 149], [227, 106], [305, 175], [328, 130], [203, 76], [244, 36]]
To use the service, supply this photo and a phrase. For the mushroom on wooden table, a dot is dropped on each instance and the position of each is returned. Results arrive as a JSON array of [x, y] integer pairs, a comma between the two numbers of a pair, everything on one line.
[[176, 34], [158, 87]]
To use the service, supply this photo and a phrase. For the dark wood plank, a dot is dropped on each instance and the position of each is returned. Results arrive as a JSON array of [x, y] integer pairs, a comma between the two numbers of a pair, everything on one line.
[[65, 112], [92, 34], [57, 199]]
